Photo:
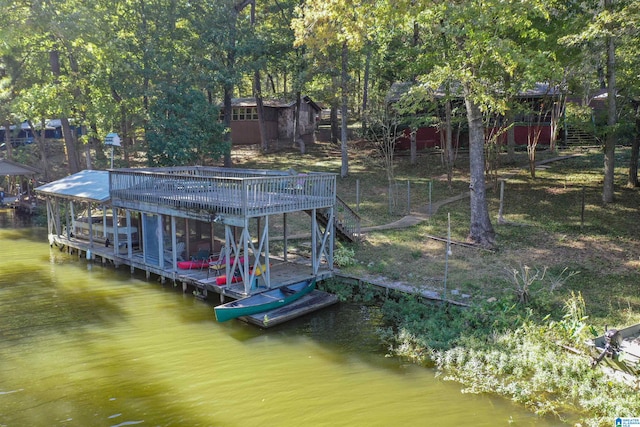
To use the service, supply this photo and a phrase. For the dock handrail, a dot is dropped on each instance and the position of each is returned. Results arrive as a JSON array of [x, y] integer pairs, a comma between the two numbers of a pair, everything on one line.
[[346, 221], [225, 191], [347, 218]]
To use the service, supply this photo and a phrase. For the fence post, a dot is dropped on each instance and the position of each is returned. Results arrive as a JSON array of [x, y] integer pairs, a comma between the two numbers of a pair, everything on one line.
[[446, 256], [408, 197], [582, 210], [358, 195], [500, 219], [430, 188], [390, 195]]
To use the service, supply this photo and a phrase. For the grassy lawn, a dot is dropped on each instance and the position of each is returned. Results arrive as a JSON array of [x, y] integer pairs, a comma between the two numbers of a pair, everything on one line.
[[545, 226]]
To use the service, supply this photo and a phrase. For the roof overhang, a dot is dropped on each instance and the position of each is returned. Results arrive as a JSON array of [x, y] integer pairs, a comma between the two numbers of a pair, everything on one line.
[[7, 167], [88, 185]]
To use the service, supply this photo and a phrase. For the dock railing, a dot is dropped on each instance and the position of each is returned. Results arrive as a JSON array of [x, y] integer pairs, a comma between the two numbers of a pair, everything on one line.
[[224, 191], [348, 220]]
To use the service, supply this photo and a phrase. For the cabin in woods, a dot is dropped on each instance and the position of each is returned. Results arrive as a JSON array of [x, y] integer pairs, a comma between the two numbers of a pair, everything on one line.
[[537, 109], [178, 222], [279, 120]]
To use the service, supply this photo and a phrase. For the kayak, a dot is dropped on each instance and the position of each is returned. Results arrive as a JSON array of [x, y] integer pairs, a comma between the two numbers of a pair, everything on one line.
[[193, 265], [222, 280]]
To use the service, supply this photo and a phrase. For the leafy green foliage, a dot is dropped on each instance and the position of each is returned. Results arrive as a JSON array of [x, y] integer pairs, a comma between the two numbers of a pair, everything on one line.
[[499, 349], [184, 130], [343, 256]]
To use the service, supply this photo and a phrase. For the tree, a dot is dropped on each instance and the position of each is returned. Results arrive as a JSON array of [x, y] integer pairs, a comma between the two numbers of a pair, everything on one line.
[[321, 26], [382, 131], [635, 147], [603, 26], [181, 130], [610, 142], [9, 72], [485, 42]]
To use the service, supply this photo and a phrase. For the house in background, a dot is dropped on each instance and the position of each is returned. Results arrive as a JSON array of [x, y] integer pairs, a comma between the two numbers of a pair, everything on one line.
[[279, 121], [533, 118]]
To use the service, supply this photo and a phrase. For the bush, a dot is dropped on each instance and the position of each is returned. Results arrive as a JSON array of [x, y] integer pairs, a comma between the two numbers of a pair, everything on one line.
[[343, 256], [526, 363]]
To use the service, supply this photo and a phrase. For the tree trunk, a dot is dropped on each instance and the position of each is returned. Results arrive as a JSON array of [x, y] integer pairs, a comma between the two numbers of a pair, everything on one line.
[[257, 90], [87, 156], [228, 111], [7, 139], [365, 89], [228, 84], [635, 149], [297, 138], [126, 137], [69, 140], [70, 146], [413, 146], [335, 126], [610, 142], [97, 144], [344, 170], [481, 230], [448, 141], [42, 147], [511, 136], [557, 111]]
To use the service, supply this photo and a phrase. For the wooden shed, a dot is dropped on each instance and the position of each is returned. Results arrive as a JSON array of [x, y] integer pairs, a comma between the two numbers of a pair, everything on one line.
[[279, 120]]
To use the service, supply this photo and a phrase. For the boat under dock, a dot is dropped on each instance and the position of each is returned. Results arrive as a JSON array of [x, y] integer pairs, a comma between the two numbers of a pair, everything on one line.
[[309, 303], [203, 281]]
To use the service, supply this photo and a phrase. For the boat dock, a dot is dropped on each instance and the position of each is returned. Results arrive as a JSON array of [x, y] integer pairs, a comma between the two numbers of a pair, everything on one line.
[[201, 227]]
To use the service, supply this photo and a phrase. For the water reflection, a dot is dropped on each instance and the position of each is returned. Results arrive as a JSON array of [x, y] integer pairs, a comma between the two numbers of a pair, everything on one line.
[[82, 344], [10, 218]]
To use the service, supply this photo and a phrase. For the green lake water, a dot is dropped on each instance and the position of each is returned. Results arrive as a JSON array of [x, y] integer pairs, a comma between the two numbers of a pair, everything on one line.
[[82, 344]]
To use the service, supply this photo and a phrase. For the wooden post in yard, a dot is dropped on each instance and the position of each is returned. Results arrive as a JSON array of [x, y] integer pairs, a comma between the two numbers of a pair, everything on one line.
[[582, 210], [500, 218]]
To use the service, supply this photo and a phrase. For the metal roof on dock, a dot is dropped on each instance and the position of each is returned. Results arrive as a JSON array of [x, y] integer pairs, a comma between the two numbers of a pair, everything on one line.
[[88, 185]]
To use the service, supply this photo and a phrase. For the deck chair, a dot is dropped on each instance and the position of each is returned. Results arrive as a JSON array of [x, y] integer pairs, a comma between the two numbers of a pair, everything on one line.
[[201, 256], [180, 247], [217, 263]]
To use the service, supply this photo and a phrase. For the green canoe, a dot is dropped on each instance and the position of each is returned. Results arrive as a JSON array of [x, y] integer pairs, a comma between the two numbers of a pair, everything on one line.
[[265, 301]]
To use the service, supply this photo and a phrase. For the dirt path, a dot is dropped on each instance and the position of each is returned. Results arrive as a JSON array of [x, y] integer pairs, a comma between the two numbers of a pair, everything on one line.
[[417, 218]]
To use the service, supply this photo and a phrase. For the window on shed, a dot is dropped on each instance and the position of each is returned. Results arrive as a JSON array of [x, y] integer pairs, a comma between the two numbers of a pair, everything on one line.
[[245, 113]]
